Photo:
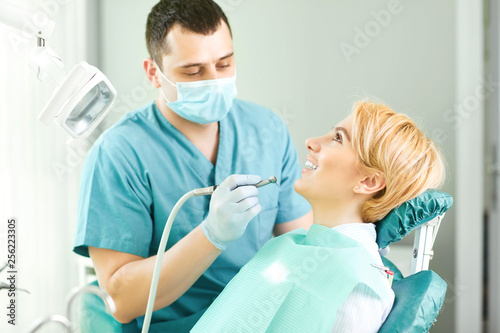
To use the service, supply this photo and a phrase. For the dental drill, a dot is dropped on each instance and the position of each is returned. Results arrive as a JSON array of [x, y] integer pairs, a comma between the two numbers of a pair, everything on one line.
[[211, 189], [164, 238]]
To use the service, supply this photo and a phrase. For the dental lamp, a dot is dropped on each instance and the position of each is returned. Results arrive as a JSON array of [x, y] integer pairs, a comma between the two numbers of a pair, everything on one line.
[[82, 98]]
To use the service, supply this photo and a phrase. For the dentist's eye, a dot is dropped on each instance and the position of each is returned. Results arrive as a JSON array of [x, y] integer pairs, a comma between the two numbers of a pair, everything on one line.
[[193, 74]]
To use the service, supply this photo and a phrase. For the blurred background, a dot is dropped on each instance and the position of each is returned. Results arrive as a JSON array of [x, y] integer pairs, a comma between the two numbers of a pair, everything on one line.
[[308, 61]]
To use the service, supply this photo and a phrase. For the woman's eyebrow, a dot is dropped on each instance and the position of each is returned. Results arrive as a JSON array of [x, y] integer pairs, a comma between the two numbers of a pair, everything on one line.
[[342, 129]]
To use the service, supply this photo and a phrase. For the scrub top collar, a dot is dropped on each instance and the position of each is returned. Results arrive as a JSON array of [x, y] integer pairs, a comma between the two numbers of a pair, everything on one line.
[[195, 158]]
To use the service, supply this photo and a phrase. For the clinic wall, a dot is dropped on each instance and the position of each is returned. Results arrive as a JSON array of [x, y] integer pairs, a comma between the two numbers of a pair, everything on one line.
[[289, 58], [122, 49]]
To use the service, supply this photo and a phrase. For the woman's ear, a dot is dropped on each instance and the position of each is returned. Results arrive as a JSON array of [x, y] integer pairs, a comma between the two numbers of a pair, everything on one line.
[[371, 184]]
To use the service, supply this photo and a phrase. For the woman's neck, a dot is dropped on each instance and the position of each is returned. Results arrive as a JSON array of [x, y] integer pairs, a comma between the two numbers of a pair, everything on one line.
[[332, 215]]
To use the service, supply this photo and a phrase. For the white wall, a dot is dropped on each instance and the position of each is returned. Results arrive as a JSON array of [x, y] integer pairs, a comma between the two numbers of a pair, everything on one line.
[[472, 87], [289, 58], [492, 167], [121, 52]]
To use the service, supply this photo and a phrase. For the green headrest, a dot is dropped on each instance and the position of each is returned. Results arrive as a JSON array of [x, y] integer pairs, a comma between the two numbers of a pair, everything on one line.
[[418, 300], [411, 214]]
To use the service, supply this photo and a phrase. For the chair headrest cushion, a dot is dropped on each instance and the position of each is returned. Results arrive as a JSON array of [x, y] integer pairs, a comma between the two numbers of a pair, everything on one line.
[[410, 215]]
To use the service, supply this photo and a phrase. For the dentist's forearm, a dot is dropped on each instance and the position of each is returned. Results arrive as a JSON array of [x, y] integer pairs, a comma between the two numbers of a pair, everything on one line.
[[182, 265]]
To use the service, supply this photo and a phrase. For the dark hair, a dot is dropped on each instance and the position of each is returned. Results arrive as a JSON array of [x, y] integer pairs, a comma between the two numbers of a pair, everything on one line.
[[199, 16]]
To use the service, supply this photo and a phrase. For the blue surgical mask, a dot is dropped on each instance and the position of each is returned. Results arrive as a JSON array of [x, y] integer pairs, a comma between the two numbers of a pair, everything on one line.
[[204, 101]]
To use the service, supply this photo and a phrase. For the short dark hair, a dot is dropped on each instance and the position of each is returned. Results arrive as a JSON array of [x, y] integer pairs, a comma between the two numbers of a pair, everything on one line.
[[199, 16]]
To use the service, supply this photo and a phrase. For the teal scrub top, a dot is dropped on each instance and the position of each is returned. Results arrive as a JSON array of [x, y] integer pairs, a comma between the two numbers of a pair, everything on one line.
[[137, 170]]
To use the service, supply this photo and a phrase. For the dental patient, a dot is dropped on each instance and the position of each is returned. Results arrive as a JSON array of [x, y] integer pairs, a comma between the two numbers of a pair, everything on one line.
[[326, 279]]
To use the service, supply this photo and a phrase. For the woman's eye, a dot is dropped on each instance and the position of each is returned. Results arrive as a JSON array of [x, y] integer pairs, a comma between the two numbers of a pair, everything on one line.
[[224, 66], [337, 137]]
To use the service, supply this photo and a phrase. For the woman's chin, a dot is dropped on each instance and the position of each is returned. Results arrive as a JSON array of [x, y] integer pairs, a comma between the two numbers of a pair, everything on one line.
[[300, 186]]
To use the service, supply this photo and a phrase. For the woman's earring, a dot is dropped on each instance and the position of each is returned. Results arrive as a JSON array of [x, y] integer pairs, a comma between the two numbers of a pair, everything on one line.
[[357, 187]]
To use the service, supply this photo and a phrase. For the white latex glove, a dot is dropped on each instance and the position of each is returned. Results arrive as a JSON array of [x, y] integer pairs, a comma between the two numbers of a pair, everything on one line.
[[233, 204]]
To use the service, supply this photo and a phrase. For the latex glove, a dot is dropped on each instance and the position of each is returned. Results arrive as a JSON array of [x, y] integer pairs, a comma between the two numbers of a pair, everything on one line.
[[233, 204]]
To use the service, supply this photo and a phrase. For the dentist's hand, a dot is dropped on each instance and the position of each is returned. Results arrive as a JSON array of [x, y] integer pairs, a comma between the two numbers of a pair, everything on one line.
[[234, 203]]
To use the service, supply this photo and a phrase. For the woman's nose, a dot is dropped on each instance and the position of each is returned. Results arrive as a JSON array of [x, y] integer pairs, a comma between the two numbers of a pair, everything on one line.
[[312, 144]]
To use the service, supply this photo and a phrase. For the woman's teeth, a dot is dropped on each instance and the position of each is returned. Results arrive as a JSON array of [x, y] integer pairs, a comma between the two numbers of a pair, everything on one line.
[[311, 165]]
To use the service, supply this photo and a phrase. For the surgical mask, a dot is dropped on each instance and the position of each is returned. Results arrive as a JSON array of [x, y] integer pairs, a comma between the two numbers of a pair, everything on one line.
[[204, 101]]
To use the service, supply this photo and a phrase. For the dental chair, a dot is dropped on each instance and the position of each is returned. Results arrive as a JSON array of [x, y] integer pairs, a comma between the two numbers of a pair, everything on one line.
[[418, 297]]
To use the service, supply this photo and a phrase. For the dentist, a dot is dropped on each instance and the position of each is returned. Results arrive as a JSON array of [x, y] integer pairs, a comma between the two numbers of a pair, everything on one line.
[[195, 134]]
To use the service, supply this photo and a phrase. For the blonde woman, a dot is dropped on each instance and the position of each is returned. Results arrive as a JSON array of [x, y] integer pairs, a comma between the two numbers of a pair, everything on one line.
[[326, 279]]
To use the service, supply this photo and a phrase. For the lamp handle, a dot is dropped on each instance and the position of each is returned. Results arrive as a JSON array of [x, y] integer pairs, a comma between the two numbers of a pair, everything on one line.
[[46, 64]]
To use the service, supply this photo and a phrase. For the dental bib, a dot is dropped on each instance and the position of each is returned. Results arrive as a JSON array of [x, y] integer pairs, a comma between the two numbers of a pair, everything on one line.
[[295, 283]]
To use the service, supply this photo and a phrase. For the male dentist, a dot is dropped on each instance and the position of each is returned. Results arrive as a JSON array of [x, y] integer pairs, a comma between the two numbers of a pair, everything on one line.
[[195, 134]]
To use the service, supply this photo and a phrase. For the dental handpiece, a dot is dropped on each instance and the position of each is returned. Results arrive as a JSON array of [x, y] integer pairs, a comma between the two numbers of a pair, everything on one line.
[[209, 190]]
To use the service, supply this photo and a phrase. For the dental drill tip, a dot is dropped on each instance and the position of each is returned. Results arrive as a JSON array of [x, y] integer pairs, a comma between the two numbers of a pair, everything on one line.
[[270, 180]]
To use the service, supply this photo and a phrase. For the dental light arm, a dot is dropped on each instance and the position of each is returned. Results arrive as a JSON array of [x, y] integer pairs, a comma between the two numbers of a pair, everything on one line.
[[164, 238], [26, 21], [82, 98]]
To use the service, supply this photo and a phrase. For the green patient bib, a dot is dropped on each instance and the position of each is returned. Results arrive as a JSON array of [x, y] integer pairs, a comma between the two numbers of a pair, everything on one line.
[[295, 283]]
